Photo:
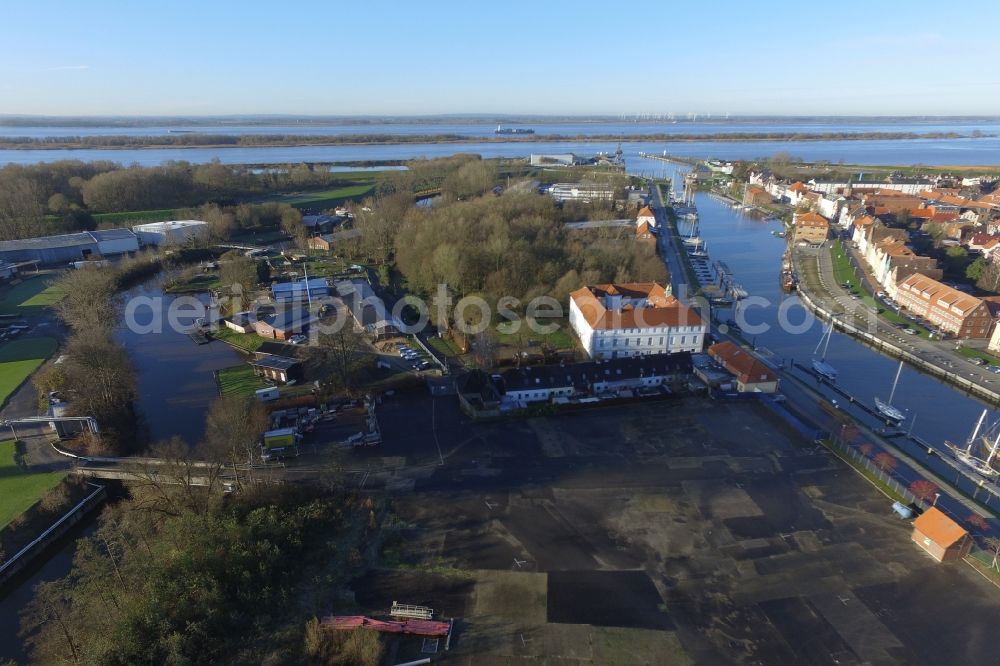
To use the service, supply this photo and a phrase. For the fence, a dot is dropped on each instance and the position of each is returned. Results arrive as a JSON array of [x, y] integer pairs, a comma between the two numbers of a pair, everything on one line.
[[20, 559], [884, 476]]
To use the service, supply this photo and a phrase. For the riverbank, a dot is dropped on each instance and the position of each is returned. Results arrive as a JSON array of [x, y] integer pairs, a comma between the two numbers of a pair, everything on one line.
[[197, 140], [813, 282]]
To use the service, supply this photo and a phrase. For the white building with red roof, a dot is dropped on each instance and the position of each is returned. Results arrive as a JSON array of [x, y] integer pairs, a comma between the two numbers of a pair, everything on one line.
[[633, 319]]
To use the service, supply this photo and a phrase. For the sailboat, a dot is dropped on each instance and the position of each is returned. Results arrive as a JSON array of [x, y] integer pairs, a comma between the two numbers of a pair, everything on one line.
[[820, 366], [978, 453], [885, 408]]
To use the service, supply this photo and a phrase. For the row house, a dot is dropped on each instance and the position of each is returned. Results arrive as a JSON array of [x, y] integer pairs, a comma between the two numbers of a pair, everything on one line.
[[829, 205], [796, 193], [521, 386], [850, 212], [869, 231], [949, 309]]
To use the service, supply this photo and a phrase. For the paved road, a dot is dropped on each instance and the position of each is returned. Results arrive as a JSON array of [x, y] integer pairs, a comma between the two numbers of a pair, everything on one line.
[[678, 277], [833, 297]]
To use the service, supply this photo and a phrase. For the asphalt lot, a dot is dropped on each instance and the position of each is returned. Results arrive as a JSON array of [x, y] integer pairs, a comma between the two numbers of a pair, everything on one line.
[[683, 532]]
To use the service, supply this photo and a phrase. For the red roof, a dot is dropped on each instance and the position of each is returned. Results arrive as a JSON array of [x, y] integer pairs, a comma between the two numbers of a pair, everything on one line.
[[660, 309], [939, 528], [810, 220], [747, 368]]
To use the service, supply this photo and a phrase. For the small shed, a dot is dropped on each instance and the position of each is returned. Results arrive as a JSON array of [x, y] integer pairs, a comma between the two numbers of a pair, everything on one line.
[[940, 536], [277, 368]]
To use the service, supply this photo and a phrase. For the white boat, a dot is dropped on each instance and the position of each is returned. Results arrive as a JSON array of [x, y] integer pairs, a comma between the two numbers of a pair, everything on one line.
[[885, 408], [978, 453], [820, 366]]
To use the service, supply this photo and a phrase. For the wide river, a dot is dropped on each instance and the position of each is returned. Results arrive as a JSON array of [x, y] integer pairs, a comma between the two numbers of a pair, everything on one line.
[[984, 150]]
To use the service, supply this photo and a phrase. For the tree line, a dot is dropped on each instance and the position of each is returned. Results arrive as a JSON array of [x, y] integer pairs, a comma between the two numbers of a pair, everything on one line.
[[61, 197], [209, 139]]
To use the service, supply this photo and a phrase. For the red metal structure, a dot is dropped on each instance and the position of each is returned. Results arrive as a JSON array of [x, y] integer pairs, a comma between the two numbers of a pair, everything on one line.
[[429, 628]]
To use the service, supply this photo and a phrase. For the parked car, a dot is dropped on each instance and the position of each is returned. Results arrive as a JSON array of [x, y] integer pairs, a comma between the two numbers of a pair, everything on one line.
[[298, 340], [909, 331]]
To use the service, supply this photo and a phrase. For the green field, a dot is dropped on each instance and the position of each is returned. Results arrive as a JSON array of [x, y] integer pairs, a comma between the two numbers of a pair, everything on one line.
[[20, 358], [20, 487], [326, 198], [246, 341], [239, 380], [30, 296]]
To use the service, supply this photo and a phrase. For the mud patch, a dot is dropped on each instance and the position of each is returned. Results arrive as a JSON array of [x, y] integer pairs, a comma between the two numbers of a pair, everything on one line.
[[605, 599]]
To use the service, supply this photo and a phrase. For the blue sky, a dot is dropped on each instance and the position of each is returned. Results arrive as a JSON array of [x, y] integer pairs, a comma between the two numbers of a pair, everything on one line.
[[376, 57]]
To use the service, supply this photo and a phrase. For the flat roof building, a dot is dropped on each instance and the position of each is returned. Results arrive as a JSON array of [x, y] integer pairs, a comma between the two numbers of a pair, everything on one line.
[[297, 291], [50, 249], [173, 232]]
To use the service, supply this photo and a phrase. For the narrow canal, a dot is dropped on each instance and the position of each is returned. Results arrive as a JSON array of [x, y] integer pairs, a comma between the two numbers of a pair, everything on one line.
[[175, 376]]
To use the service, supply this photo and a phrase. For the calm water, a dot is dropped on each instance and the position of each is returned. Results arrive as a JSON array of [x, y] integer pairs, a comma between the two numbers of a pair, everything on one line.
[[922, 151], [176, 378], [58, 564], [570, 128], [753, 254]]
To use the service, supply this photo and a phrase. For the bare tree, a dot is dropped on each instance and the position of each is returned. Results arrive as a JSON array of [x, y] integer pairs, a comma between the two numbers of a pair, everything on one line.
[[48, 626], [172, 481], [336, 357], [993, 543], [233, 429], [238, 274]]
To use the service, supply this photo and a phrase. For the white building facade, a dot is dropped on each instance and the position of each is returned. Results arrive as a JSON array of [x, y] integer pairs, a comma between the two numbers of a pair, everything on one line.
[[636, 319]]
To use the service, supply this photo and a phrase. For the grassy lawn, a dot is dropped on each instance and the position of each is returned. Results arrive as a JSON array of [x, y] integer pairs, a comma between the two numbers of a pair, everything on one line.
[[239, 380], [197, 284], [19, 358], [137, 216], [843, 272], [30, 295], [246, 341], [969, 352], [326, 198], [445, 347], [20, 487], [558, 339]]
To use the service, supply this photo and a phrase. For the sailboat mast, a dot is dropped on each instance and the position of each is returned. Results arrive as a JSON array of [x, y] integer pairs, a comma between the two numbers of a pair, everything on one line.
[[993, 451], [825, 341], [975, 432], [895, 381]]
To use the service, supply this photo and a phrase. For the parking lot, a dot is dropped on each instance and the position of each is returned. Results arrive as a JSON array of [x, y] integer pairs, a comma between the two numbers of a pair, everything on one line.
[[683, 532]]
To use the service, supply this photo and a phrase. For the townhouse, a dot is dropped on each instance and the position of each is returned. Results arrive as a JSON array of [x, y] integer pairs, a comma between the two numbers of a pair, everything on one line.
[[950, 310]]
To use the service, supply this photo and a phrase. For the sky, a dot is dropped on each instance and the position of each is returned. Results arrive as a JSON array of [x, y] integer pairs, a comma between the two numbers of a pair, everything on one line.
[[562, 58]]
